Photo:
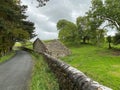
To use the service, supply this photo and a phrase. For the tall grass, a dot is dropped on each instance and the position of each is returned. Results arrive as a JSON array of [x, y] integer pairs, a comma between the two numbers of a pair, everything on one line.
[[42, 77], [7, 57], [100, 64]]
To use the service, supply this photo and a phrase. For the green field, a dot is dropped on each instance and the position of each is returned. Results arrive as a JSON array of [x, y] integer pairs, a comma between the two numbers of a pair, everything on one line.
[[100, 64], [42, 77]]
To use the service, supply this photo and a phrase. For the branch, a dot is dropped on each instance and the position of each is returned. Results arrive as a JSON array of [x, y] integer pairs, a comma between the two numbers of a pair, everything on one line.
[[114, 23], [42, 3]]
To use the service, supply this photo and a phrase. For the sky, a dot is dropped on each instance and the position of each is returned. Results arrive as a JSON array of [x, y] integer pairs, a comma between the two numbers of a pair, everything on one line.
[[46, 18]]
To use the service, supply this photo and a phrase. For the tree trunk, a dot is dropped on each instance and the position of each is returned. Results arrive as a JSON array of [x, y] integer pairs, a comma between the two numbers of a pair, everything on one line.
[[110, 46], [84, 40]]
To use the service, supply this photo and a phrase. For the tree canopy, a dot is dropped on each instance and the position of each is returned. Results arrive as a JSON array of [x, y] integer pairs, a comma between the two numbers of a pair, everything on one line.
[[107, 10], [88, 27], [13, 25], [67, 30], [85, 29]]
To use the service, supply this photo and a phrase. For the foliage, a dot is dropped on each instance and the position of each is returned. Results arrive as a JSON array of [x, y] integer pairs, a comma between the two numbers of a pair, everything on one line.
[[84, 29], [29, 27], [113, 13], [42, 2], [116, 39], [107, 10], [13, 25], [109, 39], [88, 29], [67, 31]]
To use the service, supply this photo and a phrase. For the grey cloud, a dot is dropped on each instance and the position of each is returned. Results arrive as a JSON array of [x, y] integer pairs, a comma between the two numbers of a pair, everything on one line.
[[45, 18]]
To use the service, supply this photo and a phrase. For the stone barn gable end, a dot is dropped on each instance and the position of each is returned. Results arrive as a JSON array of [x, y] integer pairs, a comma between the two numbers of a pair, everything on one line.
[[54, 48], [57, 49], [39, 46]]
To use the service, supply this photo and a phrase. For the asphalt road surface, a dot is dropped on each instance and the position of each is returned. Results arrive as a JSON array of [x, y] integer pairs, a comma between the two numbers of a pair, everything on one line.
[[15, 73]]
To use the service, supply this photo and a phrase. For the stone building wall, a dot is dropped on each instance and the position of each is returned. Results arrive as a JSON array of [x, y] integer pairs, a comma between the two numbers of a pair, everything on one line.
[[54, 48], [57, 49], [39, 46]]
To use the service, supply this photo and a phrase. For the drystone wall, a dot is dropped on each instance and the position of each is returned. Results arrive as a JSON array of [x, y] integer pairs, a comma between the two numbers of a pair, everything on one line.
[[70, 78]]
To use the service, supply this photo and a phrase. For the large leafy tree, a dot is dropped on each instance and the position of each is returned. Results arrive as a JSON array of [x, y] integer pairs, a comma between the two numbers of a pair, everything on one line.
[[29, 27], [67, 31], [88, 29], [112, 12], [107, 10], [13, 25], [83, 30]]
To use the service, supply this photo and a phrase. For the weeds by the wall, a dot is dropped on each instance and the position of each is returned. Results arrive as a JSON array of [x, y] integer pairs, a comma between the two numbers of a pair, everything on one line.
[[42, 77]]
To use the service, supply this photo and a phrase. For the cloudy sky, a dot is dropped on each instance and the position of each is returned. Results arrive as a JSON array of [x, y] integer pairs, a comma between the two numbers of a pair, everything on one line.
[[45, 18]]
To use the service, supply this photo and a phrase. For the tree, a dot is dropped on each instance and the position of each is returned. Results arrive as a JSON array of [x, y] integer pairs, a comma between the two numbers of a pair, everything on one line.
[[88, 29], [83, 29], [42, 2], [112, 12], [109, 39], [116, 39], [67, 31], [28, 27], [100, 37], [107, 10], [13, 26]]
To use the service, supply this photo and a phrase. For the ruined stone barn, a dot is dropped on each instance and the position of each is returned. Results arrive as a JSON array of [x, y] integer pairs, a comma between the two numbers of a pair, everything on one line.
[[54, 48], [39, 46], [57, 49]]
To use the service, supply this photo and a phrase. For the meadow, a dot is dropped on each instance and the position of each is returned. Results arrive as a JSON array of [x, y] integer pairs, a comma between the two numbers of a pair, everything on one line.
[[98, 63]]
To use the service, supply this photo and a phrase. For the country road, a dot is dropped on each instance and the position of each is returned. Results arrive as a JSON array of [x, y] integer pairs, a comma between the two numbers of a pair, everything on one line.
[[15, 73]]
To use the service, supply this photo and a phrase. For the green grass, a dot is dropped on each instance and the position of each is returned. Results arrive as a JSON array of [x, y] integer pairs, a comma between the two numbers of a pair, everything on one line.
[[18, 44], [100, 64], [26, 44], [7, 57], [30, 46], [42, 77]]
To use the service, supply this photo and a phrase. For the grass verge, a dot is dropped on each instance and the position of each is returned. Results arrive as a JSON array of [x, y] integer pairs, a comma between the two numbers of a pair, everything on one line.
[[7, 57], [42, 77], [100, 64]]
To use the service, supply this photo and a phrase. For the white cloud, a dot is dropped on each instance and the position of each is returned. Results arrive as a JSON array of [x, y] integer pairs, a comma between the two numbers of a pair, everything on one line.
[[45, 18]]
